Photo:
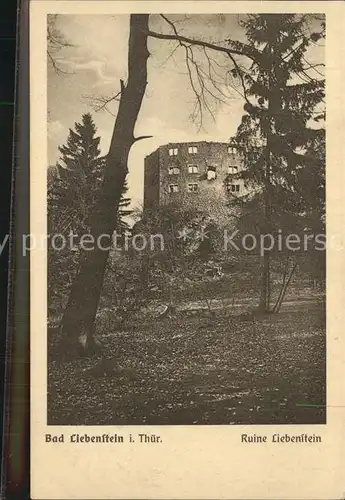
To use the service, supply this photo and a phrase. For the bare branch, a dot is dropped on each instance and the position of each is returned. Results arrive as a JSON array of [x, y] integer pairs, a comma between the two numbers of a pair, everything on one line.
[[55, 39], [240, 74], [101, 103], [246, 50], [313, 67], [141, 137], [204, 84], [212, 72], [198, 106], [55, 42], [171, 24], [170, 55]]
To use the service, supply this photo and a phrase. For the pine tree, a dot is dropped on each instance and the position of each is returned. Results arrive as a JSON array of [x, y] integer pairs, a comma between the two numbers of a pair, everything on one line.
[[72, 195], [79, 175], [276, 137]]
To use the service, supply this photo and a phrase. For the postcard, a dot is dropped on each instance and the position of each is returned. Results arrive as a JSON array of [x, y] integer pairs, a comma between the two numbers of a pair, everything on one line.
[[187, 250]]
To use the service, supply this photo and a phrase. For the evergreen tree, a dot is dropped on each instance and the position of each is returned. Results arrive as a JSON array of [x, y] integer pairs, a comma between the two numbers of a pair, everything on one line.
[[72, 195], [79, 175], [74, 192], [278, 133]]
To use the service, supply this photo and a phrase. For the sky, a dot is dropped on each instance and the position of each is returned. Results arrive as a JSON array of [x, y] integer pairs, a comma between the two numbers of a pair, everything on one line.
[[96, 61]]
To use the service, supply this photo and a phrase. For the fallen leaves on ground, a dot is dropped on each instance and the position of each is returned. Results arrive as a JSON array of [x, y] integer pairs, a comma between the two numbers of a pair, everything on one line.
[[190, 370]]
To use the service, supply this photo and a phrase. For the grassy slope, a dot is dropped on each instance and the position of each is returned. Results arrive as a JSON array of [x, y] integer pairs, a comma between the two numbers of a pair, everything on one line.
[[188, 370]]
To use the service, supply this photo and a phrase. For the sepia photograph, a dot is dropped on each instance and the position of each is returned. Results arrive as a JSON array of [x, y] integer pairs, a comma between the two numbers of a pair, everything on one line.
[[186, 219]]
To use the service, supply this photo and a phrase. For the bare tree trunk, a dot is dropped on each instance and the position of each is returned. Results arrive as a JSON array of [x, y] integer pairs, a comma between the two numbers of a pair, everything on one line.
[[273, 105], [265, 283], [284, 289], [80, 313], [286, 267], [264, 305]]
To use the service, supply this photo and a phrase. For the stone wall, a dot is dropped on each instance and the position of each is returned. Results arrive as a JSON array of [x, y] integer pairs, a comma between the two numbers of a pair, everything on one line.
[[197, 174]]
